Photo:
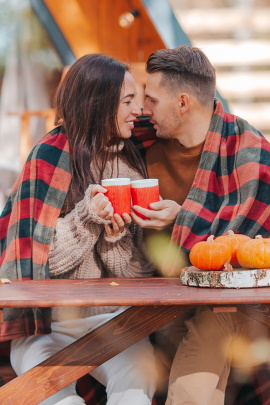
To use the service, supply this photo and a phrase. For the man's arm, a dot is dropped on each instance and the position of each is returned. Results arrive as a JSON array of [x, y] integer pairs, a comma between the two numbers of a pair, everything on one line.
[[162, 214]]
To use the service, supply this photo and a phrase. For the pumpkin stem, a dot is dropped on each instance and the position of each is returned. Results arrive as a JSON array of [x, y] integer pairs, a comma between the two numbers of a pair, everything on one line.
[[210, 238], [258, 237], [230, 233]]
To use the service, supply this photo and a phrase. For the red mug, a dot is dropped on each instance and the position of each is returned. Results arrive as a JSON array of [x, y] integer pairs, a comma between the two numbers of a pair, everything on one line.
[[144, 192], [118, 192]]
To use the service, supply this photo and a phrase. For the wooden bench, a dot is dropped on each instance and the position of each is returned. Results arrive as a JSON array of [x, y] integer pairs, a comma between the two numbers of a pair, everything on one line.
[[154, 302]]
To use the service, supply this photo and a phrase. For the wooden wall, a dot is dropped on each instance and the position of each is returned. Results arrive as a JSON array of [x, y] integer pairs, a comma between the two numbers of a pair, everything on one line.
[[92, 26]]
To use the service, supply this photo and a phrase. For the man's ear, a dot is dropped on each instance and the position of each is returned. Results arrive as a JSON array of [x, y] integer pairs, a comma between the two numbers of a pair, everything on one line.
[[184, 102]]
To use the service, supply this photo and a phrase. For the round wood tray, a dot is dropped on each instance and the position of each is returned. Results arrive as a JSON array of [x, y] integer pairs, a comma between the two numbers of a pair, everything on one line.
[[237, 278]]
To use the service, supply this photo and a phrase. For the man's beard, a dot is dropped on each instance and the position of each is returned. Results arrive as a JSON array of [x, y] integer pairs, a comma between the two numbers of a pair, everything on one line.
[[165, 130], [163, 135]]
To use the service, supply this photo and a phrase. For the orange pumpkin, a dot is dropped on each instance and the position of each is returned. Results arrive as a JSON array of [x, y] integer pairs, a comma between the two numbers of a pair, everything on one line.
[[210, 255], [254, 253], [233, 241]]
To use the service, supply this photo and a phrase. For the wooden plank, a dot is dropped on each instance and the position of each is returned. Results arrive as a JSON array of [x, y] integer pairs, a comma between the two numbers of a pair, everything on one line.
[[144, 38], [87, 353], [259, 312], [237, 278], [79, 29], [119, 47], [93, 27], [122, 291], [224, 309], [135, 43]]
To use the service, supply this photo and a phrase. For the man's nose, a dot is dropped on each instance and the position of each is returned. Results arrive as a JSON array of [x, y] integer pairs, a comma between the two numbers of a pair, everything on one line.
[[146, 111]]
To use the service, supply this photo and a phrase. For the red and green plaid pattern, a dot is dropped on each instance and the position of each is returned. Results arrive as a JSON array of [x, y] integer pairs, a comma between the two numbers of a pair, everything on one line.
[[27, 225], [231, 189]]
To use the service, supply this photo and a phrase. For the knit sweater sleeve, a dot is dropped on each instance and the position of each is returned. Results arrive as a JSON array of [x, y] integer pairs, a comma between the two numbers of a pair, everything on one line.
[[125, 256], [75, 236]]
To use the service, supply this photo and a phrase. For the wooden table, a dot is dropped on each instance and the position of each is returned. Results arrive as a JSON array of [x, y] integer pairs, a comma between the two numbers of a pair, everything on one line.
[[154, 302]]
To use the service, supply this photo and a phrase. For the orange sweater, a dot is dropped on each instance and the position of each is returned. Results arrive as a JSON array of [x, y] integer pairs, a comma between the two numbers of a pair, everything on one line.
[[175, 166]]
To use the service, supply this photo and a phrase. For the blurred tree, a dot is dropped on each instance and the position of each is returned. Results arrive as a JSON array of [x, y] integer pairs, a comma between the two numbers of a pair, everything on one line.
[[30, 70], [18, 24]]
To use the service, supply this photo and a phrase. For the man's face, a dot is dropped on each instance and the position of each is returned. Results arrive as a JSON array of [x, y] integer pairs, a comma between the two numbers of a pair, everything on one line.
[[162, 107]]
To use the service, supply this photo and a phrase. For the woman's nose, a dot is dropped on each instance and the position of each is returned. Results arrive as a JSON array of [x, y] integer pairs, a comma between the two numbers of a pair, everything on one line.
[[136, 110]]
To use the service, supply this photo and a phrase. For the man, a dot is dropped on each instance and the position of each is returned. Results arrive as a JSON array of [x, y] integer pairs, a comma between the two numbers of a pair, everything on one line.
[[214, 175]]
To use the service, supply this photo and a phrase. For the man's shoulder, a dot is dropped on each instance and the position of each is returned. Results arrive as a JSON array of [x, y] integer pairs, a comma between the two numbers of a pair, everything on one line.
[[236, 125]]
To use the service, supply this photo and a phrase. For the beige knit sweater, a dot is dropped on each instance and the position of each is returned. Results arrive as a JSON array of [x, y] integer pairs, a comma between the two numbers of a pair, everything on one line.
[[81, 249]]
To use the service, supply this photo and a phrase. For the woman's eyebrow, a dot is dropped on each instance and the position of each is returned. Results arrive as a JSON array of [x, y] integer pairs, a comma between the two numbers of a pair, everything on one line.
[[129, 95]]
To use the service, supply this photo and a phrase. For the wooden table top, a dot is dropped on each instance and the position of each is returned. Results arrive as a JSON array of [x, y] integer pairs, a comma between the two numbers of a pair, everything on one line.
[[122, 291]]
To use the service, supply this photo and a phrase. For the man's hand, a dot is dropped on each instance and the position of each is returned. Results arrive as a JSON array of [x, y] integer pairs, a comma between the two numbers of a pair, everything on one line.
[[161, 214], [100, 204], [117, 226]]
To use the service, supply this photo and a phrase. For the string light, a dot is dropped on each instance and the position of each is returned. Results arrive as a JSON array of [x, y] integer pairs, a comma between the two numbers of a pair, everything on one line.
[[127, 19]]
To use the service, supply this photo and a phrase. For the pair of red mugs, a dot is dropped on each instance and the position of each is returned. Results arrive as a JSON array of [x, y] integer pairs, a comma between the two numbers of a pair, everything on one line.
[[121, 192]]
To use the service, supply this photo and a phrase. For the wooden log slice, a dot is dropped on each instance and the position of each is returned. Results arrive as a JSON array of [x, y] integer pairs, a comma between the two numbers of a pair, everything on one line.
[[237, 278]]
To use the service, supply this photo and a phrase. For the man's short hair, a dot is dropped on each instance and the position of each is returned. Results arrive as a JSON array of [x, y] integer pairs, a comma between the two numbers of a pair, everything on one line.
[[186, 68]]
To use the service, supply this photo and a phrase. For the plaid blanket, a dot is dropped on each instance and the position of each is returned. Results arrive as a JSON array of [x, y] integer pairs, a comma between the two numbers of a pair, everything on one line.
[[231, 189], [27, 225], [28, 219]]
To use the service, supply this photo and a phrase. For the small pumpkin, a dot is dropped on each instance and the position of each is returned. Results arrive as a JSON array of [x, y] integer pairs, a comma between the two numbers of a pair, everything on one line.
[[254, 253], [233, 240], [210, 255]]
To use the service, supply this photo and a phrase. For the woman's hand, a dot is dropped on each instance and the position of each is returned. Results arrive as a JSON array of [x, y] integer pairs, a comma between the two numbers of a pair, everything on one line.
[[117, 226], [100, 204]]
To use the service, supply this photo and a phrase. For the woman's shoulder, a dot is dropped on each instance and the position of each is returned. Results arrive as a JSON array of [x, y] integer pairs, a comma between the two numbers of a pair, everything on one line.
[[56, 138], [52, 146]]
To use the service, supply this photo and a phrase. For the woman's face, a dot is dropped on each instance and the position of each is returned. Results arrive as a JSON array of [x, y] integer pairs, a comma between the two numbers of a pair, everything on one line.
[[128, 108]]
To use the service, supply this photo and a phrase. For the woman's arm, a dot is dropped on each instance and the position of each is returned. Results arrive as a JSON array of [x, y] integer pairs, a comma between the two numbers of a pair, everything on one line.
[[124, 255], [75, 235]]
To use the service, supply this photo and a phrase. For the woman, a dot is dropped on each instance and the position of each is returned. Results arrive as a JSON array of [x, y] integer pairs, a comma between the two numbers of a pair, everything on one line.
[[96, 108]]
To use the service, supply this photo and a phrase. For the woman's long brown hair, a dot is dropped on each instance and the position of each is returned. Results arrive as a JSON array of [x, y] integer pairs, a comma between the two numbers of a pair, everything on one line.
[[86, 104]]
